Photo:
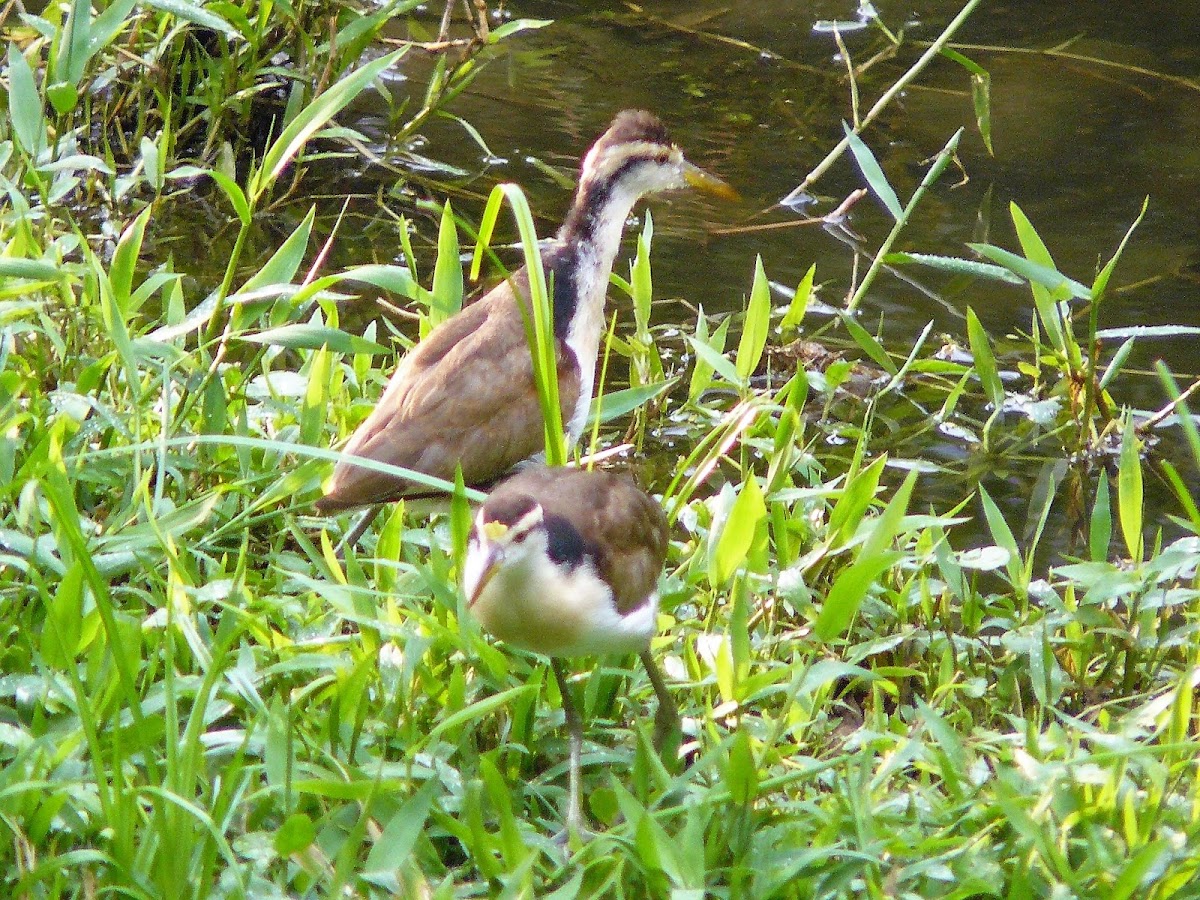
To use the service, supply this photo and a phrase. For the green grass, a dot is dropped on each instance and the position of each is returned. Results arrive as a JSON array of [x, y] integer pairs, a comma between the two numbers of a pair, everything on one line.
[[882, 697]]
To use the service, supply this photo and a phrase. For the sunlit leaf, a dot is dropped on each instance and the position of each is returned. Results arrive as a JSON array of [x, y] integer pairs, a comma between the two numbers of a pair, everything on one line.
[[954, 265], [854, 502], [1046, 276], [738, 533], [614, 404], [873, 173], [869, 344], [701, 371], [124, 261], [849, 590], [1100, 285], [313, 118], [715, 360], [756, 324], [796, 309], [741, 772], [1002, 535], [193, 12], [1129, 489], [1100, 525], [295, 834], [285, 262], [515, 26], [447, 272]]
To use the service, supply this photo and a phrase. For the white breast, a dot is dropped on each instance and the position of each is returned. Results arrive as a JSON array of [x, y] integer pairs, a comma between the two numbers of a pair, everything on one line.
[[533, 604]]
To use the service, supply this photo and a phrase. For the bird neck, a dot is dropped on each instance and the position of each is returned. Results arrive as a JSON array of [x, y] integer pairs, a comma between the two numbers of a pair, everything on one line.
[[598, 215], [587, 246]]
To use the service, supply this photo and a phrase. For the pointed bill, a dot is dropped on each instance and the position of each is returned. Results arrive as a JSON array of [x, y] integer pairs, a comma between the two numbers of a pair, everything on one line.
[[701, 180]]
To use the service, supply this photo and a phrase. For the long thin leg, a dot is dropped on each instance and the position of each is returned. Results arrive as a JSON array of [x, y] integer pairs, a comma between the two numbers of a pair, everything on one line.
[[359, 529], [575, 731], [666, 717]]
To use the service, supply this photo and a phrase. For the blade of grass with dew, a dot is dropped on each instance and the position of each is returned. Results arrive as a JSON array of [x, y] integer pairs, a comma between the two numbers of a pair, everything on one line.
[[954, 265]]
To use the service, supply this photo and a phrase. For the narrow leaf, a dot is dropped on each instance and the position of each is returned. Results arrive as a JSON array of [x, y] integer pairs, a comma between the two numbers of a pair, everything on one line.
[[191, 11], [872, 172], [1100, 527], [1100, 285], [1002, 535], [392, 848], [24, 104], [125, 259], [737, 535], [799, 305], [756, 325], [869, 344], [1047, 276], [313, 118], [615, 404], [715, 360], [955, 265], [985, 362], [1129, 489], [313, 337], [447, 272]]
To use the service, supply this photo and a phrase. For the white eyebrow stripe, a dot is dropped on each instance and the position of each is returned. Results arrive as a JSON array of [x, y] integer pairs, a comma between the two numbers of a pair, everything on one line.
[[527, 522]]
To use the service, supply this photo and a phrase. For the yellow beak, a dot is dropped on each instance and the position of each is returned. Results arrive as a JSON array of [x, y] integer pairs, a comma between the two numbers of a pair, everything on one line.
[[698, 178]]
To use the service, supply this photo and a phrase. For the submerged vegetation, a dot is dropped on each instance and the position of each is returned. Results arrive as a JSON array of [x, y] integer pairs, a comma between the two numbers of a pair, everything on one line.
[[885, 695]]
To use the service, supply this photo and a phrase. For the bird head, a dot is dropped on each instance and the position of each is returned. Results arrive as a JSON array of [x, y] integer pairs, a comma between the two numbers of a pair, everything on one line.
[[634, 157], [505, 535], [637, 152]]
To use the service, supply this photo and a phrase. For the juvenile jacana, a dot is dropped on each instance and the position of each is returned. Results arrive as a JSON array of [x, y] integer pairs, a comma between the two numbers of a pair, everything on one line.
[[465, 396], [565, 562]]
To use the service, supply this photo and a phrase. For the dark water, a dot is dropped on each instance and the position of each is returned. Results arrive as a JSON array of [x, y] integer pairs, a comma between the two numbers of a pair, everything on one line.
[[1078, 145]]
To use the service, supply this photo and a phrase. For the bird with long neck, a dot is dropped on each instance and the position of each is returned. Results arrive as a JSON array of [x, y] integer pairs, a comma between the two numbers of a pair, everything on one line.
[[466, 396]]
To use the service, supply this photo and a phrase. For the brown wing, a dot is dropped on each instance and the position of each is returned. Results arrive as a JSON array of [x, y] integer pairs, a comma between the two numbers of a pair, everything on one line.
[[464, 396], [623, 528]]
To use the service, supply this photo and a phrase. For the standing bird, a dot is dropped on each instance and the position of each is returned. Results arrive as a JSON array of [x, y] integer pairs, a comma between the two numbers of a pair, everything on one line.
[[466, 396], [565, 562]]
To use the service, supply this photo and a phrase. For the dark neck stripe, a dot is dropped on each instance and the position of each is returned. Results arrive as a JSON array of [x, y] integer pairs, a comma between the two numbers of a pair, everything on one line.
[[564, 544], [588, 209], [559, 263], [566, 295]]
